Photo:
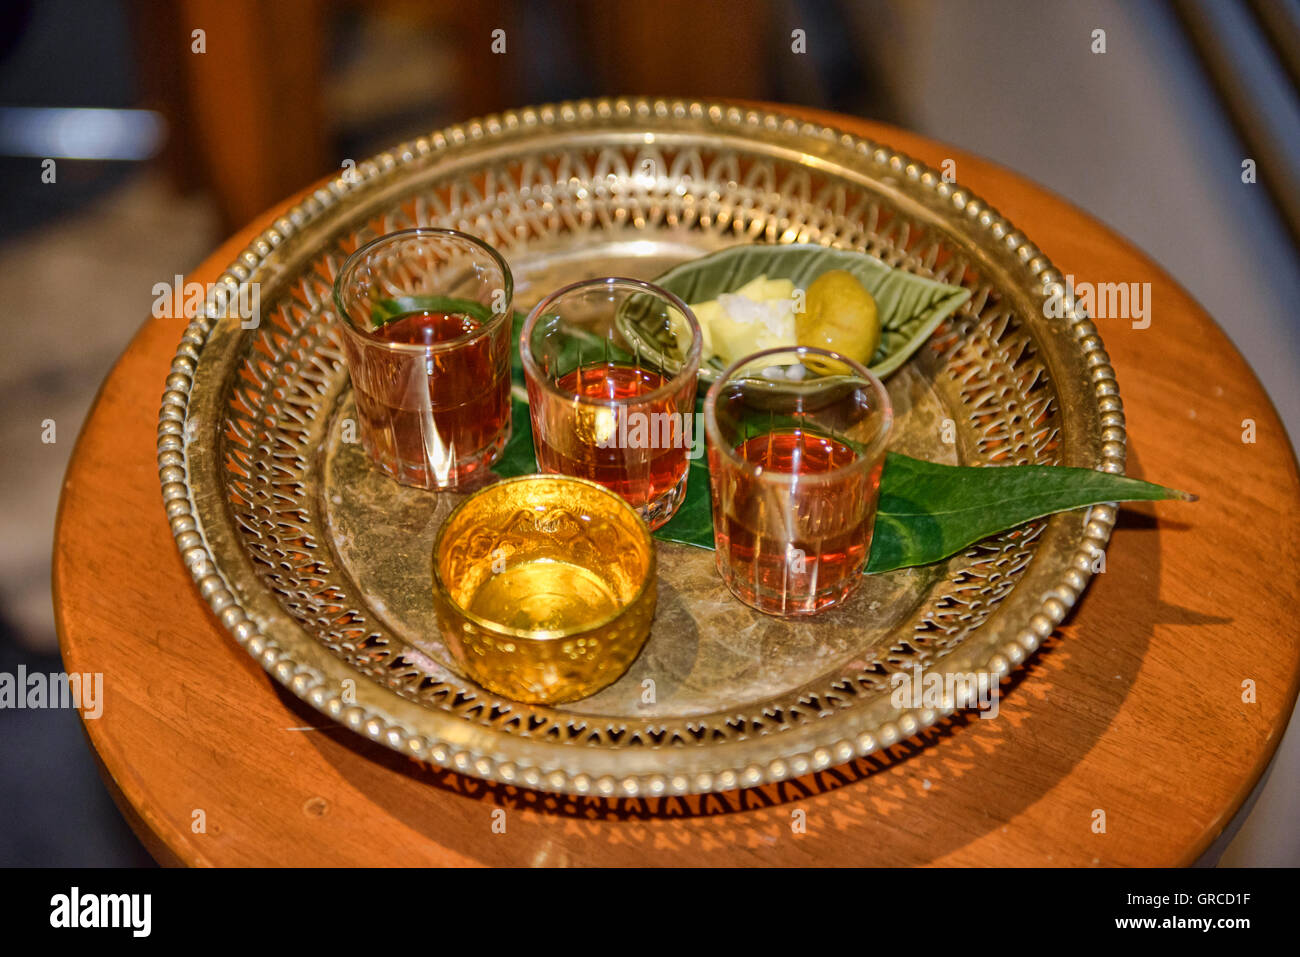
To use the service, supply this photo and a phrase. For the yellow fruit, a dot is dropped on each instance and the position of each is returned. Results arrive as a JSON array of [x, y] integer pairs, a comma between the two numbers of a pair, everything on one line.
[[759, 315], [706, 313], [839, 315], [763, 289]]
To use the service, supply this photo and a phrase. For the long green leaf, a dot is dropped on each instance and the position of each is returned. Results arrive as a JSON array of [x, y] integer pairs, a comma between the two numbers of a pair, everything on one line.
[[518, 457], [928, 512]]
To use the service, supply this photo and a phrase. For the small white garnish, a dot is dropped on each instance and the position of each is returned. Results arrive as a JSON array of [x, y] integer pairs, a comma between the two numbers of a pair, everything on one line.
[[775, 316]]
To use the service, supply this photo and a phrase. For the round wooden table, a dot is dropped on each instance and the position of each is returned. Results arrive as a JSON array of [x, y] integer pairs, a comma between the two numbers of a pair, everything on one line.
[[1159, 702]]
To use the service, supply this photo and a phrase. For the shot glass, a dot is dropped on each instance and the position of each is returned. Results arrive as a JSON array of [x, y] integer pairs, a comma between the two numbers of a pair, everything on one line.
[[544, 587], [426, 332], [796, 447], [601, 409]]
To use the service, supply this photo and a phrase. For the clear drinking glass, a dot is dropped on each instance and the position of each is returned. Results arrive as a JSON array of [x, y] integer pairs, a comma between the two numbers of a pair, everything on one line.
[[426, 331], [796, 447], [601, 408]]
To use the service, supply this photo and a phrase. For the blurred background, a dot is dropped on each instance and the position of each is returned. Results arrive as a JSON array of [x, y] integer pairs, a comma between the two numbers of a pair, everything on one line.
[[174, 122]]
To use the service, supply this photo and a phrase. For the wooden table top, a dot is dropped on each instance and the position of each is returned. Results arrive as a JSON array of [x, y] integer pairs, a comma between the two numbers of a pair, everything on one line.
[[1134, 707]]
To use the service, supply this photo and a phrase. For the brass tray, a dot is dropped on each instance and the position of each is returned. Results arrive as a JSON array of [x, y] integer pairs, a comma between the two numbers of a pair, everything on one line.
[[320, 567]]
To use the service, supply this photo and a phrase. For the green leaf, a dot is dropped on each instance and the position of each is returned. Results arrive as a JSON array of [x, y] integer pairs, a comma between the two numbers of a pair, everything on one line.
[[910, 307], [692, 523], [516, 360], [928, 512], [384, 311], [518, 457]]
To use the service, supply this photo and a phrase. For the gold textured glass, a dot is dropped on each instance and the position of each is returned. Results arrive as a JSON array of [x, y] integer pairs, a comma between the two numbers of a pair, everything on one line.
[[544, 586], [426, 332], [796, 447]]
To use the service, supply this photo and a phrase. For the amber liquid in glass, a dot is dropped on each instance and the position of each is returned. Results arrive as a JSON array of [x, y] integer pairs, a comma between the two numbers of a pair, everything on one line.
[[633, 460], [546, 596], [435, 419], [795, 550]]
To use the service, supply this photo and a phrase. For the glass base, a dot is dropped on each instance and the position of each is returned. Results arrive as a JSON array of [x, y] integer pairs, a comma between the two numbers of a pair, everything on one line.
[[658, 511], [785, 604], [466, 474]]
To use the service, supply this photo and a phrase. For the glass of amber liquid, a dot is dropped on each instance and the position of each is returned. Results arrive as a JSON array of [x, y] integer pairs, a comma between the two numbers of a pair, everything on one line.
[[796, 447], [600, 409], [426, 332]]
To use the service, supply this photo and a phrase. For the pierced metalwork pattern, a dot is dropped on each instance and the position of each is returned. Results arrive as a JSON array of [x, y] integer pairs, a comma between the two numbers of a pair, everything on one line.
[[275, 513]]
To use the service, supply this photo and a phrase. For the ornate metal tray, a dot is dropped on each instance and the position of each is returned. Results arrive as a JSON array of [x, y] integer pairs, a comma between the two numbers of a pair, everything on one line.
[[320, 567]]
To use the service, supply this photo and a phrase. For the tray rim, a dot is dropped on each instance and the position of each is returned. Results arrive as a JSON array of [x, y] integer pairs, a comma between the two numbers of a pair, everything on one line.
[[382, 715]]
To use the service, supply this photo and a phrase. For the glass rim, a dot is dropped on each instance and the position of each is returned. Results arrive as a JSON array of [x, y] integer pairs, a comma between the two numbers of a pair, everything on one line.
[[861, 463], [418, 232], [542, 634], [690, 366]]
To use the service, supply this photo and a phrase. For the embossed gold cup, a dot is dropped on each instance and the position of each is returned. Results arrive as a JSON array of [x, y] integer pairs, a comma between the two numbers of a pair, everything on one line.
[[544, 586]]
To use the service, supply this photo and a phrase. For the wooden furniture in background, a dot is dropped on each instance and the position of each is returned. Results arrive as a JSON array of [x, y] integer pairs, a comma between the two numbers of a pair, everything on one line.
[[245, 117], [249, 118], [1134, 708]]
